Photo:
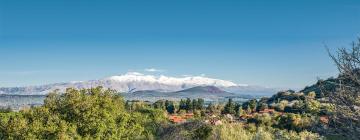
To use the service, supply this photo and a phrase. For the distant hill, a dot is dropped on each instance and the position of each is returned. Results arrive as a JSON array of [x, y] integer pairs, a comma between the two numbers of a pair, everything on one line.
[[252, 90], [209, 93], [203, 89], [328, 85]]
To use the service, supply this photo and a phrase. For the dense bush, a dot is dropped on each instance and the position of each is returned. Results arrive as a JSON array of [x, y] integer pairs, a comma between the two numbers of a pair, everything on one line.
[[239, 131], [187, 131]]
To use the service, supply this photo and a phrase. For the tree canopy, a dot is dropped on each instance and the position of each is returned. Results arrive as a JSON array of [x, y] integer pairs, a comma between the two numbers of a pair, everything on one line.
[[88, 113]]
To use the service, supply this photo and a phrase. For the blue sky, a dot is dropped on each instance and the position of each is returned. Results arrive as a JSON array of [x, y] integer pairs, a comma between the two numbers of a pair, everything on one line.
[[268, 43]]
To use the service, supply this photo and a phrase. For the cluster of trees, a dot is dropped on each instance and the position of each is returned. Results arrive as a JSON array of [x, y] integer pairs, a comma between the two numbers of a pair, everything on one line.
[[335, 98], [191, 105], [342, 94], [291, 102], [184, 105], [81, 114], [338, 98], [195, 106]]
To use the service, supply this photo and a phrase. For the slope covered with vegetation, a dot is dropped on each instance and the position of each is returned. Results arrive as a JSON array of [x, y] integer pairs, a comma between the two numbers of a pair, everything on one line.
[[103, 114]]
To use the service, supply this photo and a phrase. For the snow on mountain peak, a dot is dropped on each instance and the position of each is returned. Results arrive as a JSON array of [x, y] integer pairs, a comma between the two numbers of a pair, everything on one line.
[[134, 81], [189, 80]]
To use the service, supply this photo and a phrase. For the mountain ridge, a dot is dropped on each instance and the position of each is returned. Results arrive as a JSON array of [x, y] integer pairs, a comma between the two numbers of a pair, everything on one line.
[[207, 89], [208, 93], [133, 81]]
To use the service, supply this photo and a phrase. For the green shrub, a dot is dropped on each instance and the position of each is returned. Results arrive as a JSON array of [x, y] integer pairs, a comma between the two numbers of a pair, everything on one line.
[[239, 131]]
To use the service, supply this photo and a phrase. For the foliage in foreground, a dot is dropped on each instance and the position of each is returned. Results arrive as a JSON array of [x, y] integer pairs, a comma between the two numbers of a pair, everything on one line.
[[232, 131], [187, 131], [346, 96], [251, 132], [89, 113]]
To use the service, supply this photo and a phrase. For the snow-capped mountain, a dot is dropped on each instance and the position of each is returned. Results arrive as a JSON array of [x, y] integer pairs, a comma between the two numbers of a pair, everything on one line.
[[132, 82], [135, 77]]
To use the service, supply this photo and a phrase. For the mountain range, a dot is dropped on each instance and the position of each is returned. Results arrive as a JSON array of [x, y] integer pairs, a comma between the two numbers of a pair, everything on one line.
[[140, 83], [208, 93]]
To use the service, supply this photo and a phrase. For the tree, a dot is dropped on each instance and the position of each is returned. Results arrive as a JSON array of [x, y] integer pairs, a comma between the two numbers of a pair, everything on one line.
[[240, 112], [311, 95], [261, 120], [229, 107], [262, 106], [294, 122], [182, 105], [167, 103], [346, 97], [200, 103], [211, 108], [194, 104], [160, 104], [281, 106], [170, 108], [312, 106], [189, 105], [253, 104], [152, 119], [78, 114], [298, 107]]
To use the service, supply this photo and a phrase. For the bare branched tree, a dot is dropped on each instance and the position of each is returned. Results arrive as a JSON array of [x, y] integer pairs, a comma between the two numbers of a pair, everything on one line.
[[346, 97]]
